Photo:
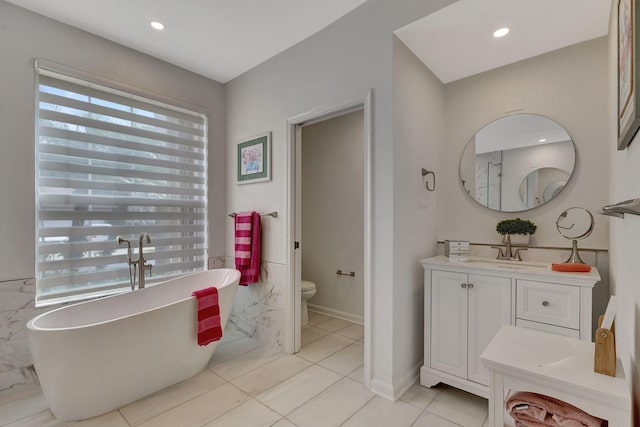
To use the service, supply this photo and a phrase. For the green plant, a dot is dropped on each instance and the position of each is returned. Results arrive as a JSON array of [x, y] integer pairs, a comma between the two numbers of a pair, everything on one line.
[[516, 226]]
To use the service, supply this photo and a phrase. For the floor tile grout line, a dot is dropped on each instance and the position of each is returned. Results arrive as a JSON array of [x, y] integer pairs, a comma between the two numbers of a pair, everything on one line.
[[359, 409], [315, 395], [435, 415], [281, 354], [124, 418], [173, 407], [230, 409], [280, 382], [262, 366], [301, 404]]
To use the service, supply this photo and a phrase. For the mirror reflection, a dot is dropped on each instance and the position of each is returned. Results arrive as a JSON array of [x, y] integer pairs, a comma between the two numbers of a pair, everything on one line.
[[542, 185], [517, 162]]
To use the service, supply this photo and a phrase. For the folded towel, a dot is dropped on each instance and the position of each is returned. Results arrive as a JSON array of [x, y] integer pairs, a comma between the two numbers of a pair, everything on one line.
[[247, 246], [209, 323], [537, 410], [571, 267]]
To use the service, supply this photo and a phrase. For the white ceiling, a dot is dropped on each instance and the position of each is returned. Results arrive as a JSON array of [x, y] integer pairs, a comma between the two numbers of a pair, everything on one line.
[[219, 39], [222, 39], [457, 41]]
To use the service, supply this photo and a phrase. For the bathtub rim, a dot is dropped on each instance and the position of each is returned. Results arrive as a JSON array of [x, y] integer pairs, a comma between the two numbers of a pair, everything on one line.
[[31, 324]]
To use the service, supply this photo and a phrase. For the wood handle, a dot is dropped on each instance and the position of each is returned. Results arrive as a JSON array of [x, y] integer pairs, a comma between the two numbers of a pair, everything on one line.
[[604, 356]]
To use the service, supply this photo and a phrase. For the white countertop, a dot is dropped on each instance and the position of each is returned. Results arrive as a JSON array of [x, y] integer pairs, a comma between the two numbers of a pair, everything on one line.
[[506, 266], [566, 362]]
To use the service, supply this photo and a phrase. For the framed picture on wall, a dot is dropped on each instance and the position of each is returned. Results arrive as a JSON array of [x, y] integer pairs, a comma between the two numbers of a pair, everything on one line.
[[628, 99], [254, 159]]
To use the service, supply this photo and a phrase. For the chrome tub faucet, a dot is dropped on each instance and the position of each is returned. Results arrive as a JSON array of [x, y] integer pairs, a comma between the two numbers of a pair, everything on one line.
[[137, 267], [142, 265]]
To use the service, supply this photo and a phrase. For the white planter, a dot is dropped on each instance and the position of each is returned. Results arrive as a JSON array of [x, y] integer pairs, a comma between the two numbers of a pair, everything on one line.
[[518, 239]]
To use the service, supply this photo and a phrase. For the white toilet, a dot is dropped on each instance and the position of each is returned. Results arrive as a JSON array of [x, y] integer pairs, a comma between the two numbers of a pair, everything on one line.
[[308, 290]]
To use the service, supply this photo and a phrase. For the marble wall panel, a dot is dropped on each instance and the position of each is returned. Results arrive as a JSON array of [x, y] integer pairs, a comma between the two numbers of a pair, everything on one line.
[[259, 308], [16, 308]]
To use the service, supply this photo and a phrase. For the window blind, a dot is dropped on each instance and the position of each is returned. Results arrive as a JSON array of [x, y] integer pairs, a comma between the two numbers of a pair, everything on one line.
[[112, 163]]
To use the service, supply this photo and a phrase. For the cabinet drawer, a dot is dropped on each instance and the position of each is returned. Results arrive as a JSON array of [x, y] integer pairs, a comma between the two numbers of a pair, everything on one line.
[[548, 303], [548, 328]]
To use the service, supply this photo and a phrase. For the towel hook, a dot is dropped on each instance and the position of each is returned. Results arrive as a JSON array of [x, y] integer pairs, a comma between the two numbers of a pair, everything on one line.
[[425, 175]]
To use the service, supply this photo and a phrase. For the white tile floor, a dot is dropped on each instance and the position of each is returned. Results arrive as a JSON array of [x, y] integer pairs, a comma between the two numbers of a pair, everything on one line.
[[249, 386]]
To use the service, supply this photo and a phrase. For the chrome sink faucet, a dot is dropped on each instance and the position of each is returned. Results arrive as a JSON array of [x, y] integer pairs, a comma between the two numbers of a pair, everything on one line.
[[138, 265], [508, 252]]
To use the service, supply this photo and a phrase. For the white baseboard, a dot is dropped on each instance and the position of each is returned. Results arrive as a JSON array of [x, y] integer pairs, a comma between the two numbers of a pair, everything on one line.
[[394, 391], [336, 313], [382, 389], [407, 381]]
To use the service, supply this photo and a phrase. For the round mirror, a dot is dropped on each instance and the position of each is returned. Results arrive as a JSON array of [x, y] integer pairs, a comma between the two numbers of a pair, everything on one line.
[[517, 162], [575, 224]]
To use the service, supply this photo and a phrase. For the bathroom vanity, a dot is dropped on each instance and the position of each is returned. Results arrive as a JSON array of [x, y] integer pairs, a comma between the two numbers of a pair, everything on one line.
[[466, 304]]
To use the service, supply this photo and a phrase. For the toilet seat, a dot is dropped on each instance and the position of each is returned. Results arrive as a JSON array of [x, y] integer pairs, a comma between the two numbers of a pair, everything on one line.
[[305, 285]]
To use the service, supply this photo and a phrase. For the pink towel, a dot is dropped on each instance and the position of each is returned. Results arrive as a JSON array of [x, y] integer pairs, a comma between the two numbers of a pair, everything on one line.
[[537, 410], [247, 246], [209, 325]]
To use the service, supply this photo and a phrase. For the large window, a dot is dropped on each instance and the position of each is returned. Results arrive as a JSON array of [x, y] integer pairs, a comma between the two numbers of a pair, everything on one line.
[[113, 163]]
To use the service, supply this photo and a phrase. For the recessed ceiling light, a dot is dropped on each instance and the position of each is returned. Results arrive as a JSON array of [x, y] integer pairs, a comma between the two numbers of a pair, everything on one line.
[[542, 140], [501, 32], [157, 25]]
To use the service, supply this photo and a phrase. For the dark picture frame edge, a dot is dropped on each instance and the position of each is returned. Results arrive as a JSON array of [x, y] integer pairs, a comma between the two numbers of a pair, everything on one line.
[[628, 130]]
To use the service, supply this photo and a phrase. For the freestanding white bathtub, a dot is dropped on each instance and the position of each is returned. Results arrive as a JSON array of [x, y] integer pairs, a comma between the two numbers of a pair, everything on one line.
[[96, 356]]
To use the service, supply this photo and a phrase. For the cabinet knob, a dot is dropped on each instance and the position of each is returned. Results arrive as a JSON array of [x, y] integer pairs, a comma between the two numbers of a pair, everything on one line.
[[470, 285], [545, 303], [463, 285]]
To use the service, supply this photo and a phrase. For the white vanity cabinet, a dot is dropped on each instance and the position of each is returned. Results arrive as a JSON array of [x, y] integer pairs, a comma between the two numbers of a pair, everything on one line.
[[466, 304], [467, 311]]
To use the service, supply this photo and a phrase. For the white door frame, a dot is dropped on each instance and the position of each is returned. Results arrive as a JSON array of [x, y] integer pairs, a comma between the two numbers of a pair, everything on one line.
[[292, 310]]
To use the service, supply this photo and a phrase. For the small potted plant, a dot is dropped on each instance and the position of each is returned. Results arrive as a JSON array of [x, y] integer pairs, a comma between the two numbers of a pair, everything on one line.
[[519, 229]]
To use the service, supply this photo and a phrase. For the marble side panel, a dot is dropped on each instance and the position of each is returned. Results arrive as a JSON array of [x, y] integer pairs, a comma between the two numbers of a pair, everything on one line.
[[14, 355], [13, 323], [271, 321], [259, 308], [17, 294], [16, 308], [216, 262], [13, 381]]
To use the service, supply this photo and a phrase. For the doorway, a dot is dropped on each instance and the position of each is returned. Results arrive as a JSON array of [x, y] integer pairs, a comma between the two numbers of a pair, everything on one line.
[[338, 294]]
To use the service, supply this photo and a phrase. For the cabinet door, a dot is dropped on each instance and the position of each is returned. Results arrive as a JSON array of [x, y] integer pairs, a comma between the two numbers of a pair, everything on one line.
[[489, 310], [449, 322]]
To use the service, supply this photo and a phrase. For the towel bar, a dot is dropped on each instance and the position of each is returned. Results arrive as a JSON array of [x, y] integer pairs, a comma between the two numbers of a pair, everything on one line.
[[340, 273], [619, 209], [273, 214]]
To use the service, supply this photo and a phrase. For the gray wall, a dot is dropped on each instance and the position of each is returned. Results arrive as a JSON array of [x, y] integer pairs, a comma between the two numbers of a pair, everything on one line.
[[23, 37], [333, 67], [568, 86], [418, 111], [333, 213]]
